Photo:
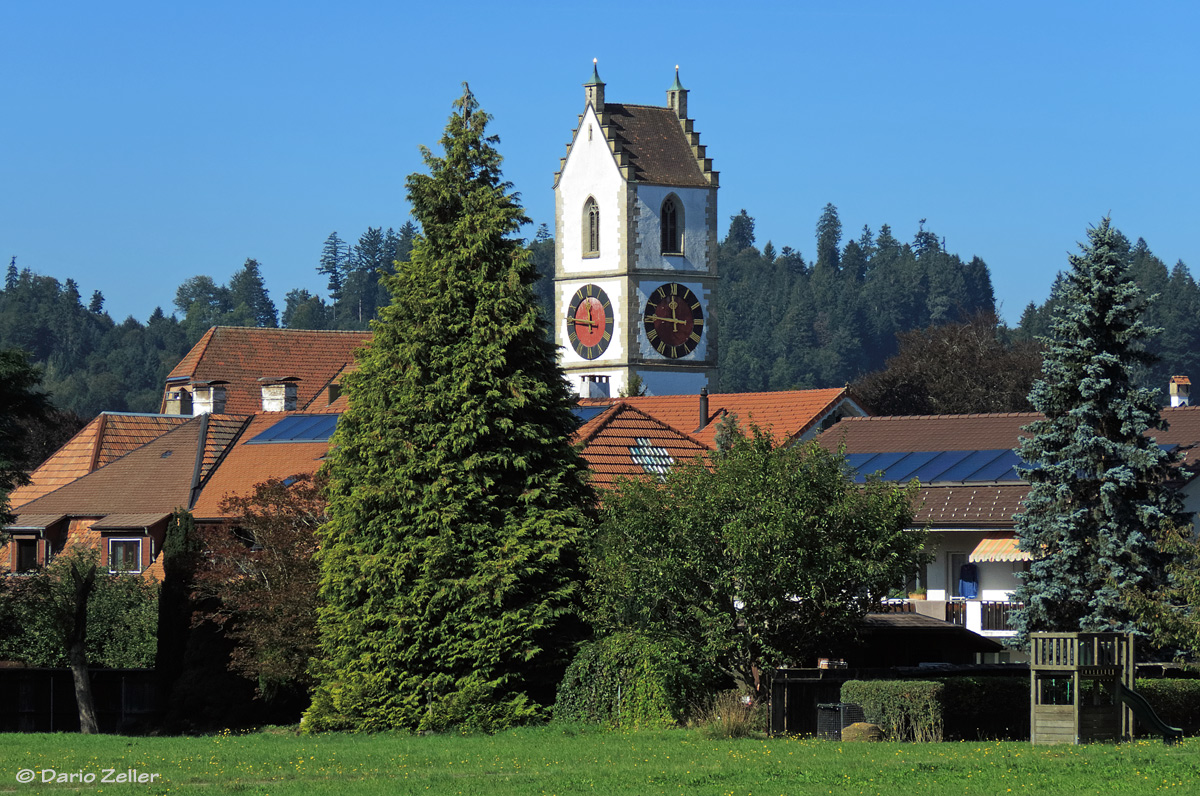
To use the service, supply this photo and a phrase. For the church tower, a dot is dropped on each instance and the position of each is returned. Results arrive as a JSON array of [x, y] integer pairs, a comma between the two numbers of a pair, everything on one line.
[[635, 249]]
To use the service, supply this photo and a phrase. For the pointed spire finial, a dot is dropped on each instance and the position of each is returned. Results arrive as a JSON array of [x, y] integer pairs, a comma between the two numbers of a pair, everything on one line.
[[595, 81], [676, 86]]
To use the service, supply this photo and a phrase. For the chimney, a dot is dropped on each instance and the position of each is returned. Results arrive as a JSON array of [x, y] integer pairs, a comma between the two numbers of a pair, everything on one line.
[[179, 402], [593, 90], [703, 408], [278, 394], [677, 97], [595, 386], [1181, 388], [208, 397]]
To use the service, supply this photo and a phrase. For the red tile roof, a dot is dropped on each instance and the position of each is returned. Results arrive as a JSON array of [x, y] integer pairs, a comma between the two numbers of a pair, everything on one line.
[[612, 438], [107, 438], [241, 356], [786, 413], [245, 465], [156, 478]]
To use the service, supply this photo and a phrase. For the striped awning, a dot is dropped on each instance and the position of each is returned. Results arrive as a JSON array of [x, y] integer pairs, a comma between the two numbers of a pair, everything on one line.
[[998, 548]]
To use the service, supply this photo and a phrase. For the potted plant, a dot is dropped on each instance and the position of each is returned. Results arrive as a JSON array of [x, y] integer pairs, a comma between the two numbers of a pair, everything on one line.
[[917, 593]]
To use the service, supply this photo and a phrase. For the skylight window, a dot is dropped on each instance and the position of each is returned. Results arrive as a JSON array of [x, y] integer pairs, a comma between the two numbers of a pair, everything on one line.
[[299, 428], [654, 460]]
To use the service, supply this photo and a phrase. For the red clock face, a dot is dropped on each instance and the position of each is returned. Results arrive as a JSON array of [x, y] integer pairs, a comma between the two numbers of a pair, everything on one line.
[[589, 322], [673, 320]]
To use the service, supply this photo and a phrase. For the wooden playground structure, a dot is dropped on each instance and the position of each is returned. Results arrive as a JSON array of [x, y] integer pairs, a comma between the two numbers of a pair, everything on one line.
[[1082, 689]]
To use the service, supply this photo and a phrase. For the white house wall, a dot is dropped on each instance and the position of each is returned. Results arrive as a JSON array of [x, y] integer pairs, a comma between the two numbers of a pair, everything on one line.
[[648, 208], [997, 579], [590, 170]]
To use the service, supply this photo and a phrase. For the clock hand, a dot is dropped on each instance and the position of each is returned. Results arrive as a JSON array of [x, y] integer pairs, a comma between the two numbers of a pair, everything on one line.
[[675, 321], [583, 321]]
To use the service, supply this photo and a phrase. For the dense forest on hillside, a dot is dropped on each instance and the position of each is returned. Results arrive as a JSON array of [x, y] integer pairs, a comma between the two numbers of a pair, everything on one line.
[[785, 322]]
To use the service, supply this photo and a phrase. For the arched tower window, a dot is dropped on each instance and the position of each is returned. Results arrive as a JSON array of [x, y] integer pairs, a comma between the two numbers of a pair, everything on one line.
[[591, 227], [672, 226]]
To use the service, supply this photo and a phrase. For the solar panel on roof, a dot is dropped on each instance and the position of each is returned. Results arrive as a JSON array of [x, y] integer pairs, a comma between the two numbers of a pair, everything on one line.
[[585, 413], [299, 428], [940, 463], [971, 463], [1002, 468], [903, 469], [865, 464]]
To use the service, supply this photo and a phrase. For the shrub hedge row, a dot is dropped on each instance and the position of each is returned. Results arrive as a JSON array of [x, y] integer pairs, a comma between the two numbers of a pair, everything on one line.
[[952, 708]]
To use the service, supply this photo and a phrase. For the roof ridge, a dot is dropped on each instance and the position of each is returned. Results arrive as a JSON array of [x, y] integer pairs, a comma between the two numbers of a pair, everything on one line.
[[287, 330], [601, 421], [973, 415], [668, 427], [842, 394]]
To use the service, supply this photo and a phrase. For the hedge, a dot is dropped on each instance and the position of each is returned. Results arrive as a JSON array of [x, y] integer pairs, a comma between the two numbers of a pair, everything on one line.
[[951, 708], [1177, 702], [906, 710]]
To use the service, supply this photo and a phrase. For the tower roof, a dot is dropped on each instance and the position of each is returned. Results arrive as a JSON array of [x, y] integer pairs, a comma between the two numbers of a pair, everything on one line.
[[676, 86], [658, 149], [595, 79]]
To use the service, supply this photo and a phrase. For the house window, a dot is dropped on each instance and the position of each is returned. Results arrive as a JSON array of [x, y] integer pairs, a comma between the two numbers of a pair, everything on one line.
[[27, 555], [591, 228], [124, 555], [672, 226]]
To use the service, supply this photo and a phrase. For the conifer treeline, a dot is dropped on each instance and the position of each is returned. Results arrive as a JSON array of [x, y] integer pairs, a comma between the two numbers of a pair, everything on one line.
[[784, 322]]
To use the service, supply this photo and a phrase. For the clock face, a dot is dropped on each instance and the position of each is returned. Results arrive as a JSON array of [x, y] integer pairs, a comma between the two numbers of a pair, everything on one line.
[[590, 321], [674, 321]]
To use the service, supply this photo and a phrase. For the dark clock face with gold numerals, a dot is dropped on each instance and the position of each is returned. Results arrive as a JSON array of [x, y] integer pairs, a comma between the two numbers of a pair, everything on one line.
[[589, 321], [674, 321]]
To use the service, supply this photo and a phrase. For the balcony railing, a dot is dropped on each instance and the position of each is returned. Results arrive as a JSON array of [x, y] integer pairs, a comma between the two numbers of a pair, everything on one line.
[[997, 615]]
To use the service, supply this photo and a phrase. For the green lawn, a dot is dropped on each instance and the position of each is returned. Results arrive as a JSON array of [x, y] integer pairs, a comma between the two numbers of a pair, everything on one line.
[[554, 761]]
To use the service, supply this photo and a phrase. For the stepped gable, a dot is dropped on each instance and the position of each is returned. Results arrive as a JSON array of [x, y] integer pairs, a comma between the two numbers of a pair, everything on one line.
[[624, 441], [787, 414], [658, 150], [107, 438], [248, 463], [240, 356]]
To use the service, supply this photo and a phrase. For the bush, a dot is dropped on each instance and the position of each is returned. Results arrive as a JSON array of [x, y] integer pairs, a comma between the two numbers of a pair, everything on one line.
[[629, 680], [906, 710], [732, 715], [1177, 702]]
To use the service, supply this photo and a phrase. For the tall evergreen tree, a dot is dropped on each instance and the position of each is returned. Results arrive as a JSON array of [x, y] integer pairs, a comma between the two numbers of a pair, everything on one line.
[[449, 583], [333, 264], [741, 232], [1099, 502], [829, 238], [11, 278], [248, 294]]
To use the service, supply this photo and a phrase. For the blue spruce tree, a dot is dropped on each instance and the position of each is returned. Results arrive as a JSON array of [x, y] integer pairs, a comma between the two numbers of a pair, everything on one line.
[[1099, 502]]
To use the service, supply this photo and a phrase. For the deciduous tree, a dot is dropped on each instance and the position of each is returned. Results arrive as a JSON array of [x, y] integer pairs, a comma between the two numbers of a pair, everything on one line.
[[761, 557]]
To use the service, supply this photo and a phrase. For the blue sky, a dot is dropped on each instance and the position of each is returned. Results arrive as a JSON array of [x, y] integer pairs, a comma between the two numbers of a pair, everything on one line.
[[144, 143]]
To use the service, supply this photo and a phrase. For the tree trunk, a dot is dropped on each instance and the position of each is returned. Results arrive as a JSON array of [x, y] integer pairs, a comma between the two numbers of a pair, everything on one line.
[[77, 650]]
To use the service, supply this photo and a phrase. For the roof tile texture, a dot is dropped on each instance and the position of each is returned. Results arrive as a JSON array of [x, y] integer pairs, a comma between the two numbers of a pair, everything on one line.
[[104, 440], [976, 505], [786, 413], [245, 465], [609, 440], [658, 150], [155, 478], [242, 355]]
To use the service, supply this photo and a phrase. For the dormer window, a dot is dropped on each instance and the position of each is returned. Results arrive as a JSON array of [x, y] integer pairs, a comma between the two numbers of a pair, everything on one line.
[[591, 228], [672, 226]]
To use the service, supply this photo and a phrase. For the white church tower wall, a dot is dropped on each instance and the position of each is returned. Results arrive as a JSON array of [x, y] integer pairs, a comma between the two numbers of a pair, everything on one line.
[[635, 249]]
